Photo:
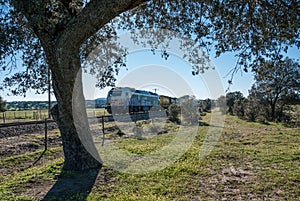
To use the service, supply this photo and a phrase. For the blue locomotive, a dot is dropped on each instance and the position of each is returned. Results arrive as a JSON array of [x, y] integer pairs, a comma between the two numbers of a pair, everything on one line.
[[128, 100]]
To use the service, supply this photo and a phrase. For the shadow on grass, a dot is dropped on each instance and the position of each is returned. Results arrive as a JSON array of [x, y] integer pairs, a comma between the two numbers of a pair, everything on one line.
[[73, 185], [203, 124]]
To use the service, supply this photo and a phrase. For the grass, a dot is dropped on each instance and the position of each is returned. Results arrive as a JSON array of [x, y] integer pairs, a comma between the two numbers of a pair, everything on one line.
[[251, 161], [42, 114]]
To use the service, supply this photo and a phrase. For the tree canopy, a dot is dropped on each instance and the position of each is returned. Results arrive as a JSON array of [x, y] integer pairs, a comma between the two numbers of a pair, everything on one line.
[[277, 84], [231, 98], [254, 30]]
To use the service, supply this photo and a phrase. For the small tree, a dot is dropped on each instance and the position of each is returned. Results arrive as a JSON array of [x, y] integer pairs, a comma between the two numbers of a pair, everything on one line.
[[189, 111], [221, 103], [277, 84], [173, 113], [255, 108], [231, 97], [251, 111], [239, 107]]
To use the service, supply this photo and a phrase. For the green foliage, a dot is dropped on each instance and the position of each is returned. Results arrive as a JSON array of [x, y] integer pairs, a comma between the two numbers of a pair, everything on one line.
[[254, 30], [205, 105], [252, 110], [221, 103], [277, 85], [173, 113], [231, 98], [189, 110], [291, 116], [238, 108]]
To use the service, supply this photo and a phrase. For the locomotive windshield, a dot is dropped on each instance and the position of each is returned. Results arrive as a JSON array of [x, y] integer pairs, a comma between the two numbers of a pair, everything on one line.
[[114, 93]]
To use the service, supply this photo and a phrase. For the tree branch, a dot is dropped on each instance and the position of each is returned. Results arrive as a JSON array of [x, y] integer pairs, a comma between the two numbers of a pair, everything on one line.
[[95, 15]]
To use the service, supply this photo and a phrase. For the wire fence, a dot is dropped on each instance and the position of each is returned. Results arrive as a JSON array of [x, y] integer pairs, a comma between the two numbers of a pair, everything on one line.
[[24, 115], [41, 114]]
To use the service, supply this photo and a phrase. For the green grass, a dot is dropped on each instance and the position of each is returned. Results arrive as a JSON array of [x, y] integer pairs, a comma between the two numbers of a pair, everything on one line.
[[15, 185], [25, 115], [251, 161], [96, 112]]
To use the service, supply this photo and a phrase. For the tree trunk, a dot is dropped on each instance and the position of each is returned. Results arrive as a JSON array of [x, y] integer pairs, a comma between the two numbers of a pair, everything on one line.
[[79, 150], [273, 107]]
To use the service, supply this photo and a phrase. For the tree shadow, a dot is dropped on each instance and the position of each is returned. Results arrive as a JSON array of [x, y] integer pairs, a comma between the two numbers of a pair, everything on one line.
[[73, 185], [201, 123]]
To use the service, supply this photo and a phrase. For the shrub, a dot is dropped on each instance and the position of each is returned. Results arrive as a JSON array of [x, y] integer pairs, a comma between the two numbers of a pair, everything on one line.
[[173, 113]]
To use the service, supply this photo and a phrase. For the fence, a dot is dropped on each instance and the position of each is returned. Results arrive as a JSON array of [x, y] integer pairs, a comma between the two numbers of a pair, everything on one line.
[[25, 115], [30, 115]]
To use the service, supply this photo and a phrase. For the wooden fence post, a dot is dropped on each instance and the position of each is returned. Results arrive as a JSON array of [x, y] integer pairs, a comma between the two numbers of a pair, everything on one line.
[[102, 120], [46, 134], [3, 115]]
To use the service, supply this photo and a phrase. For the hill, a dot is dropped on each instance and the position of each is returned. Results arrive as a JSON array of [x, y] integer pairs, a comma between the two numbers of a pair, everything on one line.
[[35, 105]]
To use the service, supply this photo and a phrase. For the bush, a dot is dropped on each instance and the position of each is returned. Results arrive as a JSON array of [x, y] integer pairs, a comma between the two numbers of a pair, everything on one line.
[[291, 117], [173, 113], [251, 111], [239, 107]]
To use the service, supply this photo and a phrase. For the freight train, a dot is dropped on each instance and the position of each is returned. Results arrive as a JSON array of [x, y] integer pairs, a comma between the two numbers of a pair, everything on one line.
[[129, 100]]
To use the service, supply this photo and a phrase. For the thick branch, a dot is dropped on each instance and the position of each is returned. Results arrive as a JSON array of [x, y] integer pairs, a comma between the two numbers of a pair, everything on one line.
[[95, 15]]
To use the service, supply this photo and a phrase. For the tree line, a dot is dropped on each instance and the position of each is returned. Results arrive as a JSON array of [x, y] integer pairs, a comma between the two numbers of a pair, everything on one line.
[[273, 97], [35, 105]]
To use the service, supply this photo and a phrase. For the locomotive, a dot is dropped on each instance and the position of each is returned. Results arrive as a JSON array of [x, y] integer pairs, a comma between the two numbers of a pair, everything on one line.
[[129, 100]]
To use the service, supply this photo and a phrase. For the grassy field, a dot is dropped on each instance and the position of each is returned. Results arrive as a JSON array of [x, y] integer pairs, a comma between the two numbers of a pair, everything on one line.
[[251, 161], [27, 115]]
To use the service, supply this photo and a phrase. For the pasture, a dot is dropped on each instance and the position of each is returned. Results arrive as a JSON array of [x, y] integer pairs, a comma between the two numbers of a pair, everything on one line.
[[251, 161], [28, 115]]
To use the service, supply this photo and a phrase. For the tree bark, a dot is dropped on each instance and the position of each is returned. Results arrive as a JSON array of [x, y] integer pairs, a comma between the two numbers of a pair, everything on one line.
[[79, 150]]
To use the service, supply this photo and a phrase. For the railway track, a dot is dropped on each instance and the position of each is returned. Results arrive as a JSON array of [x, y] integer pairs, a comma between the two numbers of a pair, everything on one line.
[[28, 127], [133, 116]]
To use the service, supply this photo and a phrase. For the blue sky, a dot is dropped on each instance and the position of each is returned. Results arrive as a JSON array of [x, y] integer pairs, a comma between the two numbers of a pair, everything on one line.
[[147, 71]]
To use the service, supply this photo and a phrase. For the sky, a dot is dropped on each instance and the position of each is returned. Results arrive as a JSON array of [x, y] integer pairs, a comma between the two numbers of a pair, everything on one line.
[[172, 77]]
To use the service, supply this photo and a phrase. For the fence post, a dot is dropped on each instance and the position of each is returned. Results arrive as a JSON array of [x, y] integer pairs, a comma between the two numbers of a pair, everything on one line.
[[3, 115], [46, 134], [102, 120]]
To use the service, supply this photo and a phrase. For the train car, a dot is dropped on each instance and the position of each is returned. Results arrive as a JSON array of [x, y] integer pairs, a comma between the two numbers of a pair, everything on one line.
[[166, 101], [126, 99]]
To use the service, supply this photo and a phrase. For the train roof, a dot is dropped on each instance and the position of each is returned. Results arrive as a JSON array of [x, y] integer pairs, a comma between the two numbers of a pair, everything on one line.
[[135, 90]]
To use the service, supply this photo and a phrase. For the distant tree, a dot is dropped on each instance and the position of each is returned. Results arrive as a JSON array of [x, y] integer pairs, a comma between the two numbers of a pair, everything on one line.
[[239, 107], [231, 98], [277, 84], [173, 113], [221, 103], [189, 113], [2, 105], [205, 105], [252, 110]]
